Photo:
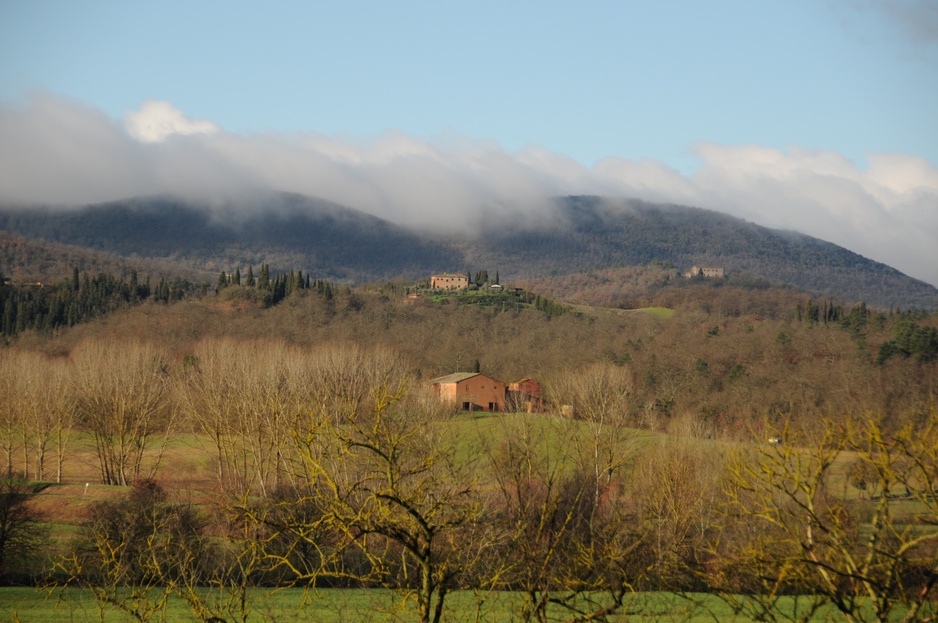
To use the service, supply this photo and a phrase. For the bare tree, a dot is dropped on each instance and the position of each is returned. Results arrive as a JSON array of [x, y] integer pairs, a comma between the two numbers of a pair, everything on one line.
[[246, 395], [390, 495], [599, 395], [38, 386], [11, 413], [119, 395], [208, 395], [570, 543], [541, 507], [675, 491], [136, 553], [866, 558]]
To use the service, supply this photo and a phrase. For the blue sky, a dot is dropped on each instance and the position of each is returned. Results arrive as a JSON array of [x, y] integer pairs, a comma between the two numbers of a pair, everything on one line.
[[813, 115]]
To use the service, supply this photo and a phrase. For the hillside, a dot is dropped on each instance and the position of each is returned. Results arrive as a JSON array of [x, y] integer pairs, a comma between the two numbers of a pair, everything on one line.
[[283, 230], [248, 395], [719, 365], [589, 233], [32, 259], [568, 235]]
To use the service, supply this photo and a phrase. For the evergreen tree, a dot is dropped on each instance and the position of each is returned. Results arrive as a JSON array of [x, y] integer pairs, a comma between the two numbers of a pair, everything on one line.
[[222, 281], [162, 291], [249, 280], [278, 289], [237, 277]]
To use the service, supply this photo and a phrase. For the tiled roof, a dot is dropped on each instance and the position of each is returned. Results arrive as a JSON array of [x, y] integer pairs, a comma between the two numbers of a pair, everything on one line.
[[454, 377]]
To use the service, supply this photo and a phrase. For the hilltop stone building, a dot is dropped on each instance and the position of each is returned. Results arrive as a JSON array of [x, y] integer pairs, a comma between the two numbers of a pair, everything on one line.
[[707, 272], [449, 281]]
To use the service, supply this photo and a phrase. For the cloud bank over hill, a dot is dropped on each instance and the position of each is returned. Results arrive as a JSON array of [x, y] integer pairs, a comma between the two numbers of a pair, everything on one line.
[[57, 151]]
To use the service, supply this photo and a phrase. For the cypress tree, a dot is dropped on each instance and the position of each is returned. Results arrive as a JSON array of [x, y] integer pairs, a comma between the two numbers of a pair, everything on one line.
[[249, 280], [9, 318], [134, 286]]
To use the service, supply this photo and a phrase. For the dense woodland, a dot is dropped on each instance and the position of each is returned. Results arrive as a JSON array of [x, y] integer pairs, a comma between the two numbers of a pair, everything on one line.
[[276, 429]]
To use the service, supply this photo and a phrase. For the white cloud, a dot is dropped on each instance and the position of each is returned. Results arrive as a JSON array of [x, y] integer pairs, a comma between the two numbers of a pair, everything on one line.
[[158, 120], [58, 151], [887, 212]]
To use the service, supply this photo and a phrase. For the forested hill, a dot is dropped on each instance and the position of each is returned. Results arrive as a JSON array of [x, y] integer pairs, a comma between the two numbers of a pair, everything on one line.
[[592, 232], [567, 235], [283, 230]]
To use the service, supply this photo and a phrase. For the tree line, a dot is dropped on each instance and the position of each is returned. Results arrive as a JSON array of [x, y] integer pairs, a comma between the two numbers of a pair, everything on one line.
[[910, 340], [273, 289], [47, 307]]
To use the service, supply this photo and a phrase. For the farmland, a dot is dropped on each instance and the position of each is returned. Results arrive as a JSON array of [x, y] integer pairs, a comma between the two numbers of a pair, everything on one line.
[[297, 446]]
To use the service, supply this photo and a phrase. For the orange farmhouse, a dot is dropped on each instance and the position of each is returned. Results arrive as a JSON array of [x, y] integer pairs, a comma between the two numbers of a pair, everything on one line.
[[470, 391]]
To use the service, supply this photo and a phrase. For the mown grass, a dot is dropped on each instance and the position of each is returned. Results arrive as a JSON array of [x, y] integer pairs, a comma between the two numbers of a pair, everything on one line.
[[659, 312], [375, 605]]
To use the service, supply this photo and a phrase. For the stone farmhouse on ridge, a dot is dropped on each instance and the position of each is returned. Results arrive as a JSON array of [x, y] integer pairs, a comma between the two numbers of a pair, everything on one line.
[[707, 272], [449, 281]]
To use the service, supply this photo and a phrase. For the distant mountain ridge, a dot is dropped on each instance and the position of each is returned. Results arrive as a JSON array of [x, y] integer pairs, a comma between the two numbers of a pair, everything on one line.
[[593, 232], [284, 230], [568, 235]]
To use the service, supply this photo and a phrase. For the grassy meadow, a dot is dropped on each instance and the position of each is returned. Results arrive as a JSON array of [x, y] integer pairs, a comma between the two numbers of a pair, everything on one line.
[[377, 605]]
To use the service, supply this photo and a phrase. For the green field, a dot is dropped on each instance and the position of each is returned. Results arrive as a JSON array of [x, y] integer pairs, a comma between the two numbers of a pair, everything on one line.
[[354, 605]]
